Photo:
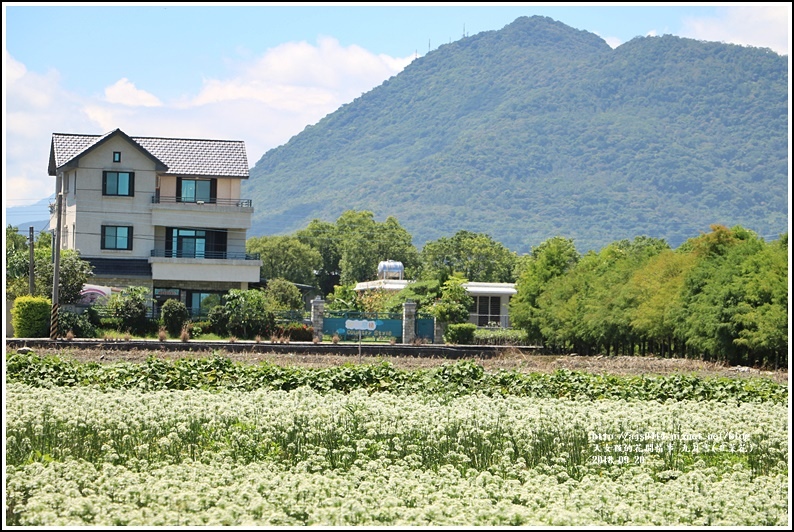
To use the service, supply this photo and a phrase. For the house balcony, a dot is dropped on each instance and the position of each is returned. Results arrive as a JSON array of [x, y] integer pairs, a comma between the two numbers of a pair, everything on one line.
[[208, 266], [214, 213]]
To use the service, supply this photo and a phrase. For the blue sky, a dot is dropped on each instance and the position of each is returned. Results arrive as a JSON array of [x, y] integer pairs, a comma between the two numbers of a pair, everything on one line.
[[262, 72]]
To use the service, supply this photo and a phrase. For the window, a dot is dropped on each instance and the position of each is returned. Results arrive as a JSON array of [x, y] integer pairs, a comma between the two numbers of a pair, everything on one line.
[[118, 183], [200, 303], [116, 156], [116, 237], [487, 309], [195, 243], [192, 190]]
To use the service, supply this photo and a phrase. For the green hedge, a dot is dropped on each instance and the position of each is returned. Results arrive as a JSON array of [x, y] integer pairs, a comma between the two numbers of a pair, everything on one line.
[[30, 317], [501, 337], [460, 333]]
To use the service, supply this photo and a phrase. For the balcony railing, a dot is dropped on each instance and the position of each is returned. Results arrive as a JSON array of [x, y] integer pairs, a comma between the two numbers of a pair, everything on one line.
[[224, 255], [211, 201]]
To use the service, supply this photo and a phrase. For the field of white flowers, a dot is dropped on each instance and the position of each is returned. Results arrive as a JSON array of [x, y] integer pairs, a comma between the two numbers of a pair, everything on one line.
[[85, 456]]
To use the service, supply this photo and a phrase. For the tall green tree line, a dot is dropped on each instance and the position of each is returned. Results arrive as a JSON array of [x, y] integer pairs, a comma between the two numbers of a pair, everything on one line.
[[721, 296]]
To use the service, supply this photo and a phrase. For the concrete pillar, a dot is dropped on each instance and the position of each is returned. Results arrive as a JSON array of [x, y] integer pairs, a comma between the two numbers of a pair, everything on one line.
[[409, 321], [438, 332], [318, 307]]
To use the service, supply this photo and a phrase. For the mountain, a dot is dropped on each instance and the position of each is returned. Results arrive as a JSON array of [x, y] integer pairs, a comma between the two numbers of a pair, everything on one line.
[[540, 130], [36, 215]]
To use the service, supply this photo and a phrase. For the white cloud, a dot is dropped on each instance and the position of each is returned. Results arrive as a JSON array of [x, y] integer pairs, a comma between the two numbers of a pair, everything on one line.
[[125, 92], [763, 26], [269, 100], [35, 107], [298, 74]]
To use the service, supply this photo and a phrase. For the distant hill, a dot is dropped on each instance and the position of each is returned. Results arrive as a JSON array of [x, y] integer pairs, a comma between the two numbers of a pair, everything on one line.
[[36, 215], [539, 130]]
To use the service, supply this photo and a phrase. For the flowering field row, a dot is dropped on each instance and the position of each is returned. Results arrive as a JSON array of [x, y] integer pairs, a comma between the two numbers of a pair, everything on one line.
[[83, 455], [457, 378]]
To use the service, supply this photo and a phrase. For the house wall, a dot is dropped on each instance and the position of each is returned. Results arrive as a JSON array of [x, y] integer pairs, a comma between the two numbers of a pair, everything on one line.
[[89, 210], [203, 270], [227, 188]]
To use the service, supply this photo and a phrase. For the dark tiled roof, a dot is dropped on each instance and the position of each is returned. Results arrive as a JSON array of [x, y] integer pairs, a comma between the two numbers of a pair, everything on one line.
[[67, 146], [198, 157], [120, 267]]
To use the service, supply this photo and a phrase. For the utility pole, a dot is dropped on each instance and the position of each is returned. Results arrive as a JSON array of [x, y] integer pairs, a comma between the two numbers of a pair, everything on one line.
[[32, 263], [56, 266]]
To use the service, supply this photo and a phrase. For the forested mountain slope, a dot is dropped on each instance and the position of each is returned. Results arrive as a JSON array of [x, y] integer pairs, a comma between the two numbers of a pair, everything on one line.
[[540, 130]]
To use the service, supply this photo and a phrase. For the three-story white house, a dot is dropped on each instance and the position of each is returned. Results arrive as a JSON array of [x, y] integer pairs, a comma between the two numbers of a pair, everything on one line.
[[164, 213]]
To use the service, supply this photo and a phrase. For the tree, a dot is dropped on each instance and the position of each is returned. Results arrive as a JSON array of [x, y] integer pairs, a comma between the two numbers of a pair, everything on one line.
[[423, 293], [396, 244], [552, 258], [322, 237], [454, 304], [283, 295], [761, 317], [475, 256], [15, 241], [73, 273], [286, 257], [655, 294], [363, 243], [734, 298], [344, 297]]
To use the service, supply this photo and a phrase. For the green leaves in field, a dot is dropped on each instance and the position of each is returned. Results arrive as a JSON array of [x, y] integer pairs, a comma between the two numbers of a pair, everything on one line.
[[450, 379]]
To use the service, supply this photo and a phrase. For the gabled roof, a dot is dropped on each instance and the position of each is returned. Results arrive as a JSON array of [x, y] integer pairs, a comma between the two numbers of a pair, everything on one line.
[[185, 157]]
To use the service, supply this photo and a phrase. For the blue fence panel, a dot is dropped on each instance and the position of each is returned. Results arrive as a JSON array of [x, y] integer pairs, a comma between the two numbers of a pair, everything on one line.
[[377, 328], [425, 328]]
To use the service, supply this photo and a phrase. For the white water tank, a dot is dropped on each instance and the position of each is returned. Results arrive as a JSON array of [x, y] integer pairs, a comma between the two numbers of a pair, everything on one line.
[[390, 269]]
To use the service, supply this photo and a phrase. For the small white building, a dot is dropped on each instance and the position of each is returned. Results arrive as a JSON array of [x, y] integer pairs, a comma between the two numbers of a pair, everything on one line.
[[491, 300]]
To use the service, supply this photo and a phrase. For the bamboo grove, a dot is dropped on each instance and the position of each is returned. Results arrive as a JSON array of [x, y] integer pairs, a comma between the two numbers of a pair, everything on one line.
[[721, 296]]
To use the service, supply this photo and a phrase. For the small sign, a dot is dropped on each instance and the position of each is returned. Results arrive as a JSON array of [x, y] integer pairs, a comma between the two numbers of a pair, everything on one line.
[[360, 325], [166, 292]]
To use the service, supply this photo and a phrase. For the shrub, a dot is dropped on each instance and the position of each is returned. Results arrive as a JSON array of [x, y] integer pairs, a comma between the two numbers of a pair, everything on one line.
[[500, 337], [79, 324], [198, 328], [110, 323], [297, 332], [195, 329], [92, 315], [249, 314], [30, 317], [460, 333], [129, 307], [219, 320], [173, 315]]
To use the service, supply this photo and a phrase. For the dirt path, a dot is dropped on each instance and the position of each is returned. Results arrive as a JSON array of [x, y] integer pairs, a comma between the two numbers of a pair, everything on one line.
[[508, 359]]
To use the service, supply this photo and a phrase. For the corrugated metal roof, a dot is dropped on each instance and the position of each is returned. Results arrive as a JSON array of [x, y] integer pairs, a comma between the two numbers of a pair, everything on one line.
[[197, 157]]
